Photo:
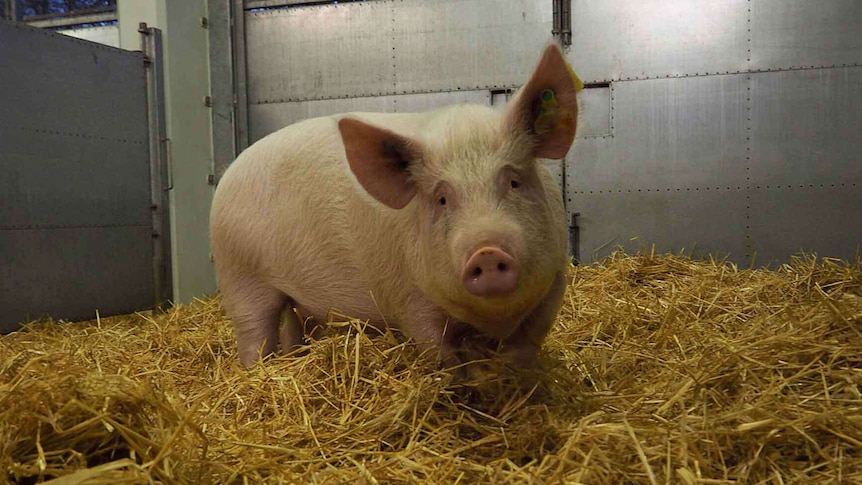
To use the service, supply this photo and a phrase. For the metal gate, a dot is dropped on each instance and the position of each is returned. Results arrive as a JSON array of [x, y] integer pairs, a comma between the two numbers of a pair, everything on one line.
[[83, 219]]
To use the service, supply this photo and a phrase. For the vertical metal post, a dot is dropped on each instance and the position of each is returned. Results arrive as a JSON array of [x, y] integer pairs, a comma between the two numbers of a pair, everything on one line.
[[221, 86], [556, 28], [151, 45], [240, 80], [575, 239], [562, 29], [566, 22]]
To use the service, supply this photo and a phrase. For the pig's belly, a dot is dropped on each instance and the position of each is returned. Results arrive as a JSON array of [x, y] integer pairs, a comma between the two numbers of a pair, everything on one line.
[[335, 301]]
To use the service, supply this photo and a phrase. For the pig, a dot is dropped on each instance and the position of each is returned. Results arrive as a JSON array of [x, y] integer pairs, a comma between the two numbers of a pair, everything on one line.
[[437, 223]]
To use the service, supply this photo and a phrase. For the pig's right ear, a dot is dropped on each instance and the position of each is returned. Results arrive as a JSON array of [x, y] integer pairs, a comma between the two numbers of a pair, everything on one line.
[[381, 161]]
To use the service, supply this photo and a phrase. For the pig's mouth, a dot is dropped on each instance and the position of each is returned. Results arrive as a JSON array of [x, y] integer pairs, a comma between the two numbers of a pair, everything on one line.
[[498, 323], [496, 316]]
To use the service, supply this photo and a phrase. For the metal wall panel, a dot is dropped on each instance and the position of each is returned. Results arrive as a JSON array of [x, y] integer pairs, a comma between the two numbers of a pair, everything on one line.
[[556, 168], [75, 222], [267, 118], [801, 33], [385, 47], [415, 103], [594, 118], [320, 52], [71, 273], [699, 221], [806, 127], [264, 119], [667, 133], [108, 180], [467, 44], [825, 220], [107, 35], [630, 39]]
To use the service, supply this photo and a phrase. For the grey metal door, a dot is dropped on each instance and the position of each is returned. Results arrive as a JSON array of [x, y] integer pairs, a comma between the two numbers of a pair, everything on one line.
[[80, 214]]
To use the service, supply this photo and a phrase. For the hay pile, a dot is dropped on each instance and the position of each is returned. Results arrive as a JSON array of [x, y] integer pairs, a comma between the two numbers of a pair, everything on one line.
[[661, 370]]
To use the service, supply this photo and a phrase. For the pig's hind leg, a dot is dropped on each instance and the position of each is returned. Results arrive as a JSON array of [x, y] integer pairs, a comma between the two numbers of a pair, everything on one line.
[[256, 311], [294, 329]]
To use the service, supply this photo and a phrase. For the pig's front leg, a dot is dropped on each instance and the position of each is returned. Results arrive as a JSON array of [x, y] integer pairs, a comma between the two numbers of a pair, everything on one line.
[[523, 345], [432, 329]]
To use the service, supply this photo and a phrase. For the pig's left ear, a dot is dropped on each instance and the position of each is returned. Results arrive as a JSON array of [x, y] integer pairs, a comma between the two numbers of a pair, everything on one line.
[[546, 107], [381, 161]]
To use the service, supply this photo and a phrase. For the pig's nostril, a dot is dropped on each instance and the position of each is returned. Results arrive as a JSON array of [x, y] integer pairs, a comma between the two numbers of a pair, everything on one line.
[[501, 266], [477, 271]]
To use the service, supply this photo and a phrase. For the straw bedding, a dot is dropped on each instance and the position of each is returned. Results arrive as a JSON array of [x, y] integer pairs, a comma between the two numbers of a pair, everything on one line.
[[660, 370]]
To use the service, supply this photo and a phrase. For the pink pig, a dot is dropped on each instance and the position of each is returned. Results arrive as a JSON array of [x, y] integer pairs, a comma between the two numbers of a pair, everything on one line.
[[438, 223]]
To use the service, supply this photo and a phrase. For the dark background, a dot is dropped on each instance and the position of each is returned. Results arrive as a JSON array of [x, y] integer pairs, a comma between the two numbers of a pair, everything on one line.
[[38, 8]]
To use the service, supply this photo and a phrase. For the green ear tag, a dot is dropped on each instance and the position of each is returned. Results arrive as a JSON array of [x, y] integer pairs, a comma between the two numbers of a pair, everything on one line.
[[548, 111]]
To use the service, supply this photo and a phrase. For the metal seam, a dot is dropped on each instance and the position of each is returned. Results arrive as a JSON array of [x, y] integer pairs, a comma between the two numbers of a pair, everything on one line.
[[73, 135], [714, 189], [748, 105], [28, 227], [515, 86]]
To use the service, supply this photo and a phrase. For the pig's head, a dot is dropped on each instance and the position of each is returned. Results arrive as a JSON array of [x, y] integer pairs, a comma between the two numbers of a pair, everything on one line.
[[489, 230]]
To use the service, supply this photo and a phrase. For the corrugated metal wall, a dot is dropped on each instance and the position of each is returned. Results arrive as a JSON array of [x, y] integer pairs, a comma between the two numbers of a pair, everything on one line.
[[736, 127], [385, 55], [728, 127], [394, 56]]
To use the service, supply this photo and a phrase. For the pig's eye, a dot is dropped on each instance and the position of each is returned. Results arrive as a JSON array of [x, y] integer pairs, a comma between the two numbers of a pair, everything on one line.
[[441, 201], [515, 184]]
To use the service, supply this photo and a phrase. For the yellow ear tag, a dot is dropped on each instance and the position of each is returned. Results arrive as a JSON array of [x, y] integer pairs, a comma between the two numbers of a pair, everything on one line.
[[548, 113], [575, 79]]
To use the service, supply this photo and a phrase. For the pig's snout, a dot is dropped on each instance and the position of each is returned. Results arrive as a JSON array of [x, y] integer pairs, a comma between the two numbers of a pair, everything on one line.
[[490, 272]]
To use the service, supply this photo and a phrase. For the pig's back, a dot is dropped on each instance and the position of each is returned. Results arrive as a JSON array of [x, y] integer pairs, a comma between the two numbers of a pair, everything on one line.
[[287, 212]]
